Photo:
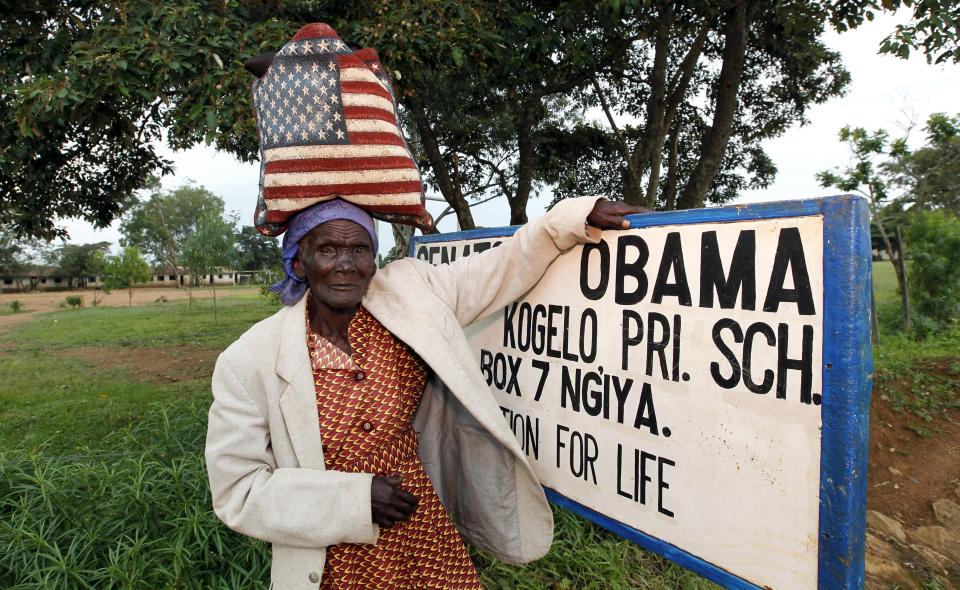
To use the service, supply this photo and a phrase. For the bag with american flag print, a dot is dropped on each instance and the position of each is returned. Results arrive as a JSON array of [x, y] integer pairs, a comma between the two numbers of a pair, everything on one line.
[[328, 128]]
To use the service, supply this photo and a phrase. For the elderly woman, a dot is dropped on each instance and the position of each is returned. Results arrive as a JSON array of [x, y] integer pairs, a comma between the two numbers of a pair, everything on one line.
[[353, 428]]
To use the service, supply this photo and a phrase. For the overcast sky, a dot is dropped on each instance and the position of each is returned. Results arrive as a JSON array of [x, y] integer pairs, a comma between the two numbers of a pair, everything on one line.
[[885, 92]]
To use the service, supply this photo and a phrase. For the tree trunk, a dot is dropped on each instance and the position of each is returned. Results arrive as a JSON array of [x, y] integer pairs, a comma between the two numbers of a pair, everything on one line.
[[401, 239], [632, 190], [904, 285], [670, 189], [129, 296], [650, 201], [523, 121], [171, 246], [629, 175], [646, 154], [448, 188], [176, 270], [718, 135], [213, 288]]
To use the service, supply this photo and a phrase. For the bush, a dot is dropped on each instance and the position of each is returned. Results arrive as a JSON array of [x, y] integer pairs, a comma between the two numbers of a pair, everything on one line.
[[16, 306], [273, 276], [933, 244], [74, 301]]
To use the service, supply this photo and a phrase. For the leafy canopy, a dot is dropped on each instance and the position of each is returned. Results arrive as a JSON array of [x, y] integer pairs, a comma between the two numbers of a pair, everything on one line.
[[92, 88], [210, 247], [161, 224], [73, 260], [255, 251]]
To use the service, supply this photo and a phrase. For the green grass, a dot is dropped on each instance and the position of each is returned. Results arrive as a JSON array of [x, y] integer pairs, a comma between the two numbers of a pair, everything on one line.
[[921, 377], [584, 556], [157, 324], [885, 282], [102, 483], [67, 403], [139, 517]]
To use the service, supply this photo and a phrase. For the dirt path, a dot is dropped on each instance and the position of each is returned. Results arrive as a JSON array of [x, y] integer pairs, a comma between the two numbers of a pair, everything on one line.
[[50, 301], [155, 365], [908, 472]]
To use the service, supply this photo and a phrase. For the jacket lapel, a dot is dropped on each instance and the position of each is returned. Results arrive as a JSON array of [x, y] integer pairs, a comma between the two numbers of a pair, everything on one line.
[[420, 330], [298, 402]]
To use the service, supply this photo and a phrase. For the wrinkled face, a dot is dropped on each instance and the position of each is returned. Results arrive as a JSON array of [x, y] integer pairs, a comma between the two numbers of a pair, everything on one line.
[[337, 260]]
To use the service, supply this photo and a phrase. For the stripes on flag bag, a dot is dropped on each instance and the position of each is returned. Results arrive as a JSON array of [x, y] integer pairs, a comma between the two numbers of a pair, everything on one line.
[[327, 121]]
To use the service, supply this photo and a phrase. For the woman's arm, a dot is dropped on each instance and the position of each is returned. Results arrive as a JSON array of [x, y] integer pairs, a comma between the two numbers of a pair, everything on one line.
[[251, 495], [481, 284]]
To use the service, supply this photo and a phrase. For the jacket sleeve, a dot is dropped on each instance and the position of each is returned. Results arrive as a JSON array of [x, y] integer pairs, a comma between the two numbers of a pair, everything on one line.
[[251, 495], [476, 286]]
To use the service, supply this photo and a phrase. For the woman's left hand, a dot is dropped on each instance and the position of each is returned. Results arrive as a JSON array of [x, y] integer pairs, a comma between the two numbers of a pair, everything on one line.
[[612, 214]]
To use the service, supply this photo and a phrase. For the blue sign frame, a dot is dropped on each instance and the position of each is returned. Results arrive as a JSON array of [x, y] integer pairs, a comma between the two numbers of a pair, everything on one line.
[[847, 383]]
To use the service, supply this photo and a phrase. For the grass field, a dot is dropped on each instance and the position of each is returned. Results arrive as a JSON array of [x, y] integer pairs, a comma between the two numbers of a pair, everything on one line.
[[922, 378], [101, 471], [102, 482]]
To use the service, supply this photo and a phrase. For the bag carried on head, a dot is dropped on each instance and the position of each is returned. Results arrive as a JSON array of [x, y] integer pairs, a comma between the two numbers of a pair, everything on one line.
[[327, 121]]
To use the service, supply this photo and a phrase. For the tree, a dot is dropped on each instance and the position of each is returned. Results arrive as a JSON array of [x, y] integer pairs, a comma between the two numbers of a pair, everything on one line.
[[72, 260], [12, 259], [124, 270], [485, 87], [256, 251], [865, 176], [930, 175], [96, 266], [162, 223], [935, 267], [209, 249], [18, 254]]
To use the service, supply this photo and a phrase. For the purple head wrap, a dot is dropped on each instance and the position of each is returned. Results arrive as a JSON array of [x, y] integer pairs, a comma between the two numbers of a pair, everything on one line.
[[292, 288]]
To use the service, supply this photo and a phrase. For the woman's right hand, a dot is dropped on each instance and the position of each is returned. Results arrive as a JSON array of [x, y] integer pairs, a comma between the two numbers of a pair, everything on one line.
[[389, 502]]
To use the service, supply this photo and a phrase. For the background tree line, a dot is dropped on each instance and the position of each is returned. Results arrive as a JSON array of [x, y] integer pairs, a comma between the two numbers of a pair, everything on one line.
[[918, 191], [664, 103], [180, 231]]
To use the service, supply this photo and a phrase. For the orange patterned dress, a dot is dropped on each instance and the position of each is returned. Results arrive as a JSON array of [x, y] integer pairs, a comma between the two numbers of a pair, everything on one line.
[[366, 404]]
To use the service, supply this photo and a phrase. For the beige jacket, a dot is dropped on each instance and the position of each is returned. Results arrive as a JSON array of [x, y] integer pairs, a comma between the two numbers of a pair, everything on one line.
[[264, 456]]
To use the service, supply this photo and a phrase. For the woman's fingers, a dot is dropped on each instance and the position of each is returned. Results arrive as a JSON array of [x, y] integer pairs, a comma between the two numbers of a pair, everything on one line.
[[391, 503]]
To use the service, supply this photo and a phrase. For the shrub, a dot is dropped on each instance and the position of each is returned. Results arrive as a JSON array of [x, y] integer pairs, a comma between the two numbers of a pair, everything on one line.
[[74, 301], [16, 306], [273, 276], [933, 242]]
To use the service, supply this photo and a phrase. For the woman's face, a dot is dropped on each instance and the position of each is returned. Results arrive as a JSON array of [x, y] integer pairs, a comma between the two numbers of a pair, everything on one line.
[[337, 260]]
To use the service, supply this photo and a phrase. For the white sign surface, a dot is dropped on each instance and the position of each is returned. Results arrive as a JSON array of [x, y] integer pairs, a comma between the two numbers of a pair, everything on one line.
[[670, 378]]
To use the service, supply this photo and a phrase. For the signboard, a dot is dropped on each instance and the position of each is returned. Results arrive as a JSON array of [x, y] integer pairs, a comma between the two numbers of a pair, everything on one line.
[[699, 384]]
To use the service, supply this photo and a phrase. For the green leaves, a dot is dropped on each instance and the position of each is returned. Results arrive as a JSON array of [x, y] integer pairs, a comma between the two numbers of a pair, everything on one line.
[[125, 269], [934, 28]]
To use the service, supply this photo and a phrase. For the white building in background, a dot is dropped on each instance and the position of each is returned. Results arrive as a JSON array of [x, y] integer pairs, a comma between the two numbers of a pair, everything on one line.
[[41, 278]]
